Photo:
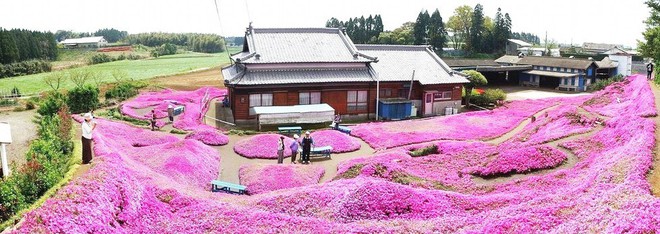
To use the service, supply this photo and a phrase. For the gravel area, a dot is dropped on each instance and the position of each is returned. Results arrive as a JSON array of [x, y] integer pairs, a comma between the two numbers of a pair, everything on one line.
[[23, 130]]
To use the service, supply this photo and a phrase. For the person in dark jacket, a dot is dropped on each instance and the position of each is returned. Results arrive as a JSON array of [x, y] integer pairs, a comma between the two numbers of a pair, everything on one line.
[[649, 70], [307, 143], [153, 120], [280, 150]]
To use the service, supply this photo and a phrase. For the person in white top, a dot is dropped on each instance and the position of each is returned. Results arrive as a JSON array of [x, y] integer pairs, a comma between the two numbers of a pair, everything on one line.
[[88, 127]]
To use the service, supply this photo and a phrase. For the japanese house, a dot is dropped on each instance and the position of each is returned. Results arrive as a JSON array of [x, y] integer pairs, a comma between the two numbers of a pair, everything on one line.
[[311, 66]]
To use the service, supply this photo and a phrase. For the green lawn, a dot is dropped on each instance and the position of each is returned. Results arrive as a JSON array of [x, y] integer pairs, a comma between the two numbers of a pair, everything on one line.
[[136, 69]]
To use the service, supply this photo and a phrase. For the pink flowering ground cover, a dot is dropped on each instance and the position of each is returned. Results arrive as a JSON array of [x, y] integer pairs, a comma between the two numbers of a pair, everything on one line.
[[606, 191], [261, 178], [339, 141], [190, 120], [262, 146], [468, 126], [556, 124], [632, 96]]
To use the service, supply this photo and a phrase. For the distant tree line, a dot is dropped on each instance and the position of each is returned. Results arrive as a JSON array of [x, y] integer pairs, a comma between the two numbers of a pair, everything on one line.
[[19, 45], [205, 43], [360, 30], [466, 29], [527, 37]]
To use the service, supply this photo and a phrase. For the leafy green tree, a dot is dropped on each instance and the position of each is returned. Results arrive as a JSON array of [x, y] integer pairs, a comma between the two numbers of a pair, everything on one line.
[[111, 35], [477, 29], [650, 46], [420, 30], [459, 24], [437, 32], [476, 79]]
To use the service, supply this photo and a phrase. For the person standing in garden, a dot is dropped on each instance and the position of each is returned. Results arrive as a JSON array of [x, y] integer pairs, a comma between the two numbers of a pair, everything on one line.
[[649, 70], [153, 120], [307, 143], [280, 150], [294, 148], [87, 128]]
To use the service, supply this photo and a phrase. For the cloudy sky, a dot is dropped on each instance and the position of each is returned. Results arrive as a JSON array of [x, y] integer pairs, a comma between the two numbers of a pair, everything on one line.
[[566, 21]]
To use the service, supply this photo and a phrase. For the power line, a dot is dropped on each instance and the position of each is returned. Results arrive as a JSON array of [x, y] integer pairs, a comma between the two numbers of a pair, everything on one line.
[[222, 33]]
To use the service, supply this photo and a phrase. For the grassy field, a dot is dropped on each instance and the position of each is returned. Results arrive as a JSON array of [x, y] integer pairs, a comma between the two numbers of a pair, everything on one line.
[[135, 69]]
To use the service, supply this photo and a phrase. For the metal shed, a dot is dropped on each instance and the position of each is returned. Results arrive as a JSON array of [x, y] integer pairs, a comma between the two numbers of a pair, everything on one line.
[[298, 114], [395, 108]]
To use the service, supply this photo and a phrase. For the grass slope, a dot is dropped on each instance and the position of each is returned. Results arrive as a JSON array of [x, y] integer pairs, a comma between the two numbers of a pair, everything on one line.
[[136, 69]]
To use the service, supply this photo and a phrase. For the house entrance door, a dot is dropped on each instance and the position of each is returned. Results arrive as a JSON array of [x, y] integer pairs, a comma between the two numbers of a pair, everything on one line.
[[428, 103]]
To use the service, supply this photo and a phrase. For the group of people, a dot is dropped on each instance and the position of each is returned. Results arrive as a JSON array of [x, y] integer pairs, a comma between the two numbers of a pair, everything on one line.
[[303, 146]]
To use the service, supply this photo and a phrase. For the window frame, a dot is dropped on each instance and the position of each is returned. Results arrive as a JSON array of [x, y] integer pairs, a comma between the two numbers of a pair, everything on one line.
[[357, 105], [310, 97], [261, 99]]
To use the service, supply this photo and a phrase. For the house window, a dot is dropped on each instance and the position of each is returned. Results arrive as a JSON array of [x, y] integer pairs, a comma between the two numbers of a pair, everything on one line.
[[356, 100], [306, 98], [261, 99], [573, 81], [554, 69], [403, 93], [386, 92], [445, 95]]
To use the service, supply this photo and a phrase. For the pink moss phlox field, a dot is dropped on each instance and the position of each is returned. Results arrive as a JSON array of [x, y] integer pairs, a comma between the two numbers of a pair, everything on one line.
[[519, 160], [468, 126], [261, 178], [190, 120], [604, 191], [632, 96], [262, 146], [209, 136], [558, 123], [339, 141]]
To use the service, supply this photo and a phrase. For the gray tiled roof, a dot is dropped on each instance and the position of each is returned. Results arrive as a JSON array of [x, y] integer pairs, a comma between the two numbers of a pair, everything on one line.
[[296, 45], [546, 61], [469, 62], [397, 62], [296, 76]]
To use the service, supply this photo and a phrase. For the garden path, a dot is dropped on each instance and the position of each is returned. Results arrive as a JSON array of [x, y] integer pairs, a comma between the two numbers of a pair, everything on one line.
[[511, 133], [654, 175], [23, 132]]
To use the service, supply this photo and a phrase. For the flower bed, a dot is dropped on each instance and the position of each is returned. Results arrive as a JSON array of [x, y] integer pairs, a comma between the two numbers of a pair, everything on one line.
[[605, 192], [558, 123], [262, 146], [631, 96], [339, 141], [519, 160], [468, 126], [189, 120], [261, 178]]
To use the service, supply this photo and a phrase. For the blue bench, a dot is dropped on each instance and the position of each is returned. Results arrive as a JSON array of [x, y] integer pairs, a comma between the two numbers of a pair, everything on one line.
[[323, 151], [221, 186], [295, 129], [343, 129]]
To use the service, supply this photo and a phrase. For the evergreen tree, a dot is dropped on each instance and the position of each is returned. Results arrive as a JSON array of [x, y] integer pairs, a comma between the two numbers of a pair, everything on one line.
[[476, 43], [420, 31], [437, 33]]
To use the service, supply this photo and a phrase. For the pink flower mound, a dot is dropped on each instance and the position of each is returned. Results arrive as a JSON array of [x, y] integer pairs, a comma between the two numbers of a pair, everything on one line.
[[468, 126], [190, 120], [339, 141], [262, 146], [261, 178], [558, 123], [634, 97], [520, 160], [209, 136]]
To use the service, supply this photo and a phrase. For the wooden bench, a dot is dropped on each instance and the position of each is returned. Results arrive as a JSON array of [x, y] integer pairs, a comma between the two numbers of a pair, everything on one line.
[[323, 151], [343, 129], [218, 186], [289, 130]]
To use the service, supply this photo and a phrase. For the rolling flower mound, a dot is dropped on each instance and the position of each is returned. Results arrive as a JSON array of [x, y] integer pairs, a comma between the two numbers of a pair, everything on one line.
[[631, 96], [558, 123], [520, 160], [339, 141], [262, 146], [261, 178], [209, 136], [190, 120], [468, 126]]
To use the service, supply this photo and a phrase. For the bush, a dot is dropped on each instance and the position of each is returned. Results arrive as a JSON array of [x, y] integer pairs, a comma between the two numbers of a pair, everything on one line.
[[122, 91], [30, 105], [100, 58], [24, 68], [83, 99], [52, 103], [490, 96], [602, 83], [11, 198], [431, 149]]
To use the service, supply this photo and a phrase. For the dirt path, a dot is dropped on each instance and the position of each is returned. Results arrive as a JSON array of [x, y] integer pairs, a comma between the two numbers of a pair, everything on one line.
[[519, 128], [231, 161], [23, 131], [654, 175]]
